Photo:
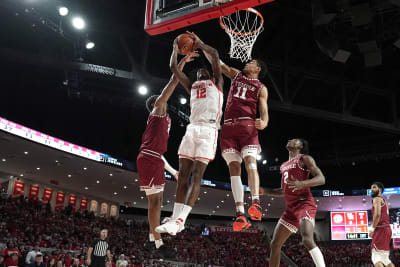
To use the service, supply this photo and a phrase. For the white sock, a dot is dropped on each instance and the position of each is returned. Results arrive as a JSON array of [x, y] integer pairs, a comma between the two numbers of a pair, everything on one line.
[[237, 189], [185, 213], [151, 237], [317, 257], [177, 210], [240, 209], [159, 243], [255, 197]]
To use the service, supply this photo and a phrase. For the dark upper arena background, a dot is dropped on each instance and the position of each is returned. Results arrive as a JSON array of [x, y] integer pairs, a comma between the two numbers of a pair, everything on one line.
[[348, 112]]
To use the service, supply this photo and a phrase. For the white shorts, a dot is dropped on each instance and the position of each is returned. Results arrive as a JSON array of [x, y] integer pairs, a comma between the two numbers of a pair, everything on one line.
[[199, 143], [380, 256], [234, 155], [153, 190]]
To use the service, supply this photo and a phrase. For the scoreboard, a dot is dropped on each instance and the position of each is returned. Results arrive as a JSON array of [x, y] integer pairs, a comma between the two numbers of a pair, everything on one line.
[[349, 225]]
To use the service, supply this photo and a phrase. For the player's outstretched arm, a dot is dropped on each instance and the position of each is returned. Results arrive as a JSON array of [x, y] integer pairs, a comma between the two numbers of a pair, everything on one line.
[[277, 192], [160, 106], [169, 168], [226, 70], [262, 122], [178, 73], [212, 56]]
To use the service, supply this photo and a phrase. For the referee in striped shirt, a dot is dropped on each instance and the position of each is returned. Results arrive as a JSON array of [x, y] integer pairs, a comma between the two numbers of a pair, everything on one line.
[[98, 250]]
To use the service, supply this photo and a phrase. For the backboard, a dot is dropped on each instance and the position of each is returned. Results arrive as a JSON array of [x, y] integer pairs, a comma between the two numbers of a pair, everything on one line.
[[169, 15]]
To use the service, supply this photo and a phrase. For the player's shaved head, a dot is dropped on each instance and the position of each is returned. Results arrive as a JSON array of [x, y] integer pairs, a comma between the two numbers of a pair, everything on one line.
[[150, 102]]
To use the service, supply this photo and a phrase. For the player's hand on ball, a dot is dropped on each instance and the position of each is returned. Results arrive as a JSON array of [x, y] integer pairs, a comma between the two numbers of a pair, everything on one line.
[[191, 56], [196, 40], [295, 184], [176, 175], [260, 124]]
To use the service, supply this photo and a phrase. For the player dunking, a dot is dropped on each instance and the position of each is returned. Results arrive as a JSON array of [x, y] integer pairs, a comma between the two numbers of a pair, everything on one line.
[[381, 232], [199, 144], [151, 163], [239, 135], [300, 206]]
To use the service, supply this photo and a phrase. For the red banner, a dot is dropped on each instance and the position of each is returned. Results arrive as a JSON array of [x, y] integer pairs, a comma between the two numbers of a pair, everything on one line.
[[60, 198], [33, 191], [47, 194], [19, 187], [83, 203], [72, 200]]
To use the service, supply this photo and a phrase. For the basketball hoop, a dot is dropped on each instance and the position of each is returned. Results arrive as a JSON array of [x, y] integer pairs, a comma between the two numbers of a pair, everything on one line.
[[243, 27]]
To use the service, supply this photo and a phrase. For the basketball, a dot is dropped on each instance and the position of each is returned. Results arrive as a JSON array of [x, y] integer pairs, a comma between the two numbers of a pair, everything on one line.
[[185, 44]]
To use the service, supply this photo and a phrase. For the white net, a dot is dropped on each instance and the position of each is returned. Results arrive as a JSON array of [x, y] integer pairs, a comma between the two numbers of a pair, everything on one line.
[[243, 27]]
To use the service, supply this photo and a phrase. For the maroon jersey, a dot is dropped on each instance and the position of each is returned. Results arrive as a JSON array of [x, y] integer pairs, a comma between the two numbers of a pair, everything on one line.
[[384, 220], [155, 137], [289, 169], [242, 98]]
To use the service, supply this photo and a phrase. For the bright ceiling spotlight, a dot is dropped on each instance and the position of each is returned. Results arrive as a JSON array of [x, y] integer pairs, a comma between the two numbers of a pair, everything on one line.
[[259, 157], [63, 11], [89, 45], [78, 23], [143, 90], [183, 101]]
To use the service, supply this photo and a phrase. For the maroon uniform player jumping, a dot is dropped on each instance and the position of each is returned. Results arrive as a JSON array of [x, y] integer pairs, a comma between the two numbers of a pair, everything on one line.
[[300, 206], [381, 232], [151, 163], [239, 134]]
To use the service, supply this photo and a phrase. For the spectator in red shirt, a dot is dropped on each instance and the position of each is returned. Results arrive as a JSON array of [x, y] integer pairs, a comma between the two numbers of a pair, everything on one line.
[[68, 260], [10, 250], [12, 260]]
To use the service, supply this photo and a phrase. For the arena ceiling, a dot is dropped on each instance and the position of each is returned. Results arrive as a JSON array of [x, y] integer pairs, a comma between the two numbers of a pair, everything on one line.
[[348, 112]]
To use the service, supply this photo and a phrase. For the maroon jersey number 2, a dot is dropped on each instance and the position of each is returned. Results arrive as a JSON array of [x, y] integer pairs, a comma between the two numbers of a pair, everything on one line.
[[241, 93]]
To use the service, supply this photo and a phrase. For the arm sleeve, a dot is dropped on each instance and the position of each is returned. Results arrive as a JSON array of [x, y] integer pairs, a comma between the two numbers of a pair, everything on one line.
[[168, 167]]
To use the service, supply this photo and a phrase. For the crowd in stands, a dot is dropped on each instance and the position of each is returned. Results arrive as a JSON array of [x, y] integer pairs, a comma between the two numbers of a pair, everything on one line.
[[63, 238]]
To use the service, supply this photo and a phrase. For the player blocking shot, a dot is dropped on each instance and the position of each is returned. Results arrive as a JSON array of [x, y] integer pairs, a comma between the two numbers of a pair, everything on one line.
[[239, 134], [151, 162], [381, 233], [300, 205], [199, 144]]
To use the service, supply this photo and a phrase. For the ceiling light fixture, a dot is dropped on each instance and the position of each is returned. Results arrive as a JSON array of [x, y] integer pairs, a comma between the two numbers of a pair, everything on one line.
[[63, 11], [97, 182], [78, 23]]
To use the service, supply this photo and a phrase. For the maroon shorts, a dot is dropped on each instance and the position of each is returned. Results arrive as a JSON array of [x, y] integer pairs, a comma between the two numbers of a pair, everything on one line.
[[292, 216], [381, 238], [238, 135], [151, 172]]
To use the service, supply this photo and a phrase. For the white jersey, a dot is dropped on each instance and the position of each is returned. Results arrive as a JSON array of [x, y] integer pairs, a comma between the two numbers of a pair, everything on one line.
[[206, 103]]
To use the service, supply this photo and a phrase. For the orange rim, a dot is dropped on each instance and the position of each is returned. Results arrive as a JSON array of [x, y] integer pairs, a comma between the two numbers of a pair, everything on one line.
[[223, 26]]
